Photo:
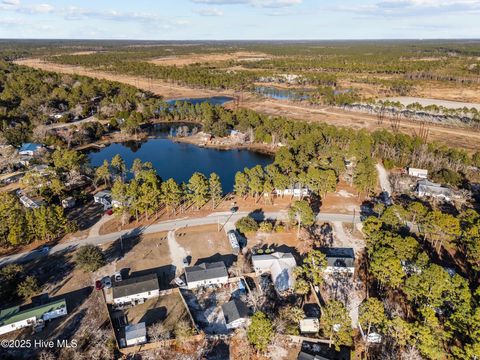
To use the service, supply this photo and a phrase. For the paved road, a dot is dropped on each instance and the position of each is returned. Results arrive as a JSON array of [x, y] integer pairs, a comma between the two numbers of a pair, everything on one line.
[[214, 218]]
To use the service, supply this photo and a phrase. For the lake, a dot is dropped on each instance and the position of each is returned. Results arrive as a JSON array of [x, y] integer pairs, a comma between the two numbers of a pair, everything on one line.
[[214, 100], [281, 94], [179, 160]]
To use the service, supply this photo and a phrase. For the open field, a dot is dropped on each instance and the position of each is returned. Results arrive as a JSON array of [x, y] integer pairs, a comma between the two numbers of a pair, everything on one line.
[[457, 137], [184, 60]]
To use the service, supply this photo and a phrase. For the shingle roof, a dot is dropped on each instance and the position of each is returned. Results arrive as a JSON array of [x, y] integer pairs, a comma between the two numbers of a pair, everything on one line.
[[206, 271], [136, 285], [234, 310], [13, 314], [339, 257]]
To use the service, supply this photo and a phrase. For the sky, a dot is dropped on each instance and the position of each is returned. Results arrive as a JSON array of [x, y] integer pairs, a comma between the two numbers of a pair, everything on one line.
[[240, 19]]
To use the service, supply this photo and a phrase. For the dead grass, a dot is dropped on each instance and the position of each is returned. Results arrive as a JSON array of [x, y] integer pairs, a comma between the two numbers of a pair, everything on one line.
[[190, 59]]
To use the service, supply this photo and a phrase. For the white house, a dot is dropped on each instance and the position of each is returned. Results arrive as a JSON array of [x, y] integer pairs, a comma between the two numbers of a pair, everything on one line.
[[419, 173], [135, 290], [103, 197], [206, 274], [13, 318], [427, 188], [309, 325], [339, 260], [235, 313], [135, 334], [279, 265], [297, 190]]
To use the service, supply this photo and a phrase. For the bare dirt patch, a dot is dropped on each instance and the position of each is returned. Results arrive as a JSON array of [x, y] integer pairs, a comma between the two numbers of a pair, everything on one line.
[[190, 59]]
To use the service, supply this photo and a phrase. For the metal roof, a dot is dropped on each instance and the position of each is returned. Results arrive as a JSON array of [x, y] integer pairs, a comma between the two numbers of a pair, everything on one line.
[[135, 331], [136, 285], [206, 271], [13, 314], [30, 147]]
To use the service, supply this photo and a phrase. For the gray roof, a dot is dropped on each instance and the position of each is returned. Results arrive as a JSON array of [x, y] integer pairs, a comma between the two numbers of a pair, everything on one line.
[[135, 331], [206, 271], [339, 257], [433, 188], [234, 310], [135, 285], [305, 356]]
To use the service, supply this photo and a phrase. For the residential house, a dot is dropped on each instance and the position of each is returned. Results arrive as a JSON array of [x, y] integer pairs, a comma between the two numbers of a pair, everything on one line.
[[427, 188], [30, 149], [14, 318], [206, 274], [135, 334], [309, 326], [297, 191], [318, 351], [280, 267], [135, 290], [339, 260], [103, 197], [419, 173], [235, 313]]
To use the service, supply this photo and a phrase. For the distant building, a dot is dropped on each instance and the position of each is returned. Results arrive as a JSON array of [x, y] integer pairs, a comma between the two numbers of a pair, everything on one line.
[[339, 260], [30, 203], [13, 318], [427, 188], [30, 149], [135, 290], [235, 313], [279, 265], [297, 190], [419, 173], [309, 325], [135, 334], [68, 202], [206, 274], [103, 197]]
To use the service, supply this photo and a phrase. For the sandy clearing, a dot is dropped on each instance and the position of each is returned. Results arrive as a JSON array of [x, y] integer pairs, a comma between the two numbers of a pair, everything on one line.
[[184, 60], [458, 137], [177, 253]]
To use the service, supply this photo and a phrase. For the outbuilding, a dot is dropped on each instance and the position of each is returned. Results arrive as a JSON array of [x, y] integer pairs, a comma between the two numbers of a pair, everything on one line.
[[419, 173], [135, 334], [30, 149], [309, 326], [235, 313]]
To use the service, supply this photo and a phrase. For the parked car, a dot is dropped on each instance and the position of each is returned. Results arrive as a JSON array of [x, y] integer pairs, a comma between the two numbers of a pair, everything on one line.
[[107, 282], [109, 212], [185, 262], [98, 285]]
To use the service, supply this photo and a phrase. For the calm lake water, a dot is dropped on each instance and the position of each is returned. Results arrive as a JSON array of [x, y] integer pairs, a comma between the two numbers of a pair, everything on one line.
[[214, 100], [179, 161], [280, 94]]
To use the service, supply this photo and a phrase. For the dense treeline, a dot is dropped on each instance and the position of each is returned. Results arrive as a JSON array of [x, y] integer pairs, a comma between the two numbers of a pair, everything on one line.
[[436, 310], [29, 98], [324, 146]]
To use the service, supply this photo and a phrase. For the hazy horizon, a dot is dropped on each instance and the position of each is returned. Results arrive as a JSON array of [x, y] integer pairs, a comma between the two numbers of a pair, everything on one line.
[[227, 20]]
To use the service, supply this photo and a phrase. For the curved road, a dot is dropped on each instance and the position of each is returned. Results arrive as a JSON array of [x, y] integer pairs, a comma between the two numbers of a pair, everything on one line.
[[214, 218]]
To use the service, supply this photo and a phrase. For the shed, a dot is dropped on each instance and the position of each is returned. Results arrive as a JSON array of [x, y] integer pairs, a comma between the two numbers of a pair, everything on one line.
[[235, 313], [309, 325], [419, 173], [135, 334], [29, 149]]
